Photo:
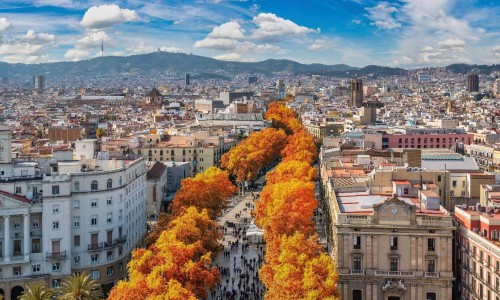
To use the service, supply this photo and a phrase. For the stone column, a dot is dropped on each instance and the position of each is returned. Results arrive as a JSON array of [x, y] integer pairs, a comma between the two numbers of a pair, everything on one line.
[[375, 252], [368, 256], [449, 259], [413, 295], [6, 239], [413, 253], [421, 253], [345, 254], [444, 253], [375, 290], [369, 291], [26, 236]]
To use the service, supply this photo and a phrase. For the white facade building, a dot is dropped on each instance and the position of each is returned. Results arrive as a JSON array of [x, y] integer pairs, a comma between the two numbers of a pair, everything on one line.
[[78, 216]]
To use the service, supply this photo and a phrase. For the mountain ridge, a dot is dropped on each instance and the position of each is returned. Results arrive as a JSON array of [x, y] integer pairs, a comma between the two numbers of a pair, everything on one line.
[[156, 63]]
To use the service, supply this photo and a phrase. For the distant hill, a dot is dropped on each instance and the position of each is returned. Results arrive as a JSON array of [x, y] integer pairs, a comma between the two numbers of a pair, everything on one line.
[[464, 68], [156, 63]]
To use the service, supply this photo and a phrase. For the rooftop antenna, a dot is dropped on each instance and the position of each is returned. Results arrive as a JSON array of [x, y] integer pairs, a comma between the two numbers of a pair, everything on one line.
[[102, 48]]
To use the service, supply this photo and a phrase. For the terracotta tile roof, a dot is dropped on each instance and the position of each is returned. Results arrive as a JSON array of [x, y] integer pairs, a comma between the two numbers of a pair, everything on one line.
[[16, 197], [156, 171]]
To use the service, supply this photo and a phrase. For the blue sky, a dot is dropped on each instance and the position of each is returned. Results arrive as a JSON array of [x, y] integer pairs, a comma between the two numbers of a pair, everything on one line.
[[406, 33]]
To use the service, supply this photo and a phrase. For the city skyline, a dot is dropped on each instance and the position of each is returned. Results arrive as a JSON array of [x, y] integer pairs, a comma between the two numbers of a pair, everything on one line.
[[406, 33]]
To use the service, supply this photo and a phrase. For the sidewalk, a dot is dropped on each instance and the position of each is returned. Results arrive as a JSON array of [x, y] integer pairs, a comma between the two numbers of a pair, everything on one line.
[[239, 268]]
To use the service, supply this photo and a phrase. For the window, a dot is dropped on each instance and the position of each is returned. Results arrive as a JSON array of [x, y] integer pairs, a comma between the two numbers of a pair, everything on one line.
[[356, 264], [93, 221], [55, 225], [109, 183], [120, 251], [35, 268], [93, 203], [17, 271], [357, 242], [110, 271], [454, 183], [120, 181], [109, 201], [36, 223], [94, 185], [17, 247], [76, 260], [109, 255], [431, 296], [56, 267], [394, 265], [18, 190], [94, 257], [56, 283], [35, 246], [76, 204], [439, 177], [55, 190], [394, 243], [431, 244], [76, 186], [357, 295], [109, 218], [431, 265], [76, 222], [76, 240], [94, 274], [120, 266]]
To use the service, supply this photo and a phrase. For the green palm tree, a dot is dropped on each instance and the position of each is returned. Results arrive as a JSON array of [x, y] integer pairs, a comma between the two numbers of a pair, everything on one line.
[[81, 287], [37, 291]]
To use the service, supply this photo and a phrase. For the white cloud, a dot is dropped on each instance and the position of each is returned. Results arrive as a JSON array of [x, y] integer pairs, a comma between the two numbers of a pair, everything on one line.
[[229, 30], [76, 54], [228, 56], [496, 51], [4, 24], [356, 21], [381, 16], [452, 45], [93, 40], [142, 48], [254, 8], [271, 26], [235, 45], [98, 17], [320, 45], [38, 38]]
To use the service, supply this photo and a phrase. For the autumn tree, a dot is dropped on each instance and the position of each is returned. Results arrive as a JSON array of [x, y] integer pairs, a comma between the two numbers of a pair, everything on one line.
[[208, 190], [196, 226], [297, 269], [158, 228], [258, 150], [291, 169], [154, 271], [300, 146], [286, 207], [282, 117]]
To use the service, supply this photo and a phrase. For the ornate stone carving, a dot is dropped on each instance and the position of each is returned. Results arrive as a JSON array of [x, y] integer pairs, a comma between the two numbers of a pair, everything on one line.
[[394, 286]]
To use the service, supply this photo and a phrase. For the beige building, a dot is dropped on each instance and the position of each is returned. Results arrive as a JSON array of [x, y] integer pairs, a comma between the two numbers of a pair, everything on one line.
[[391, 248], [201, 149]]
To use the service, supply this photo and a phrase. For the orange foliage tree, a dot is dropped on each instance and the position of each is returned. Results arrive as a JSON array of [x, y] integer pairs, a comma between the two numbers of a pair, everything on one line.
[[158, 228], [291, 169], [300, 147], [176, 257], [208, 190], [286, 207], [258, 150], [296, 268], [282, 117]]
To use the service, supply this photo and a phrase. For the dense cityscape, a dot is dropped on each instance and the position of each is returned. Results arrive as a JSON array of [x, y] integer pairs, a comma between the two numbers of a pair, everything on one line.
[[263, 167]]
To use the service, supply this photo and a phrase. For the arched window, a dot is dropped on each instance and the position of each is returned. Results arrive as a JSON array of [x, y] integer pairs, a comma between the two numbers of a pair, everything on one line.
[[94, 186], [109, 184], [77, 186]]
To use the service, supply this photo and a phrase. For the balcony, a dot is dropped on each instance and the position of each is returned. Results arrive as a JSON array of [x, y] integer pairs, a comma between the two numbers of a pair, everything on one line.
[[107, 245], [394, 273], [431, 274], [56, 255]]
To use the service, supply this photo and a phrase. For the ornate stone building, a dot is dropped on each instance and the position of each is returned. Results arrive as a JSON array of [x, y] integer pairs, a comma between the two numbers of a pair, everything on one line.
[[391, 248]]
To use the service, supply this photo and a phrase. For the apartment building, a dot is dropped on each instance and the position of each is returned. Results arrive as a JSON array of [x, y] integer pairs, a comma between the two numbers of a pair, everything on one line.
[[391, 248], [78, 216], [426, 138], [201, 149], [477, 250]]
